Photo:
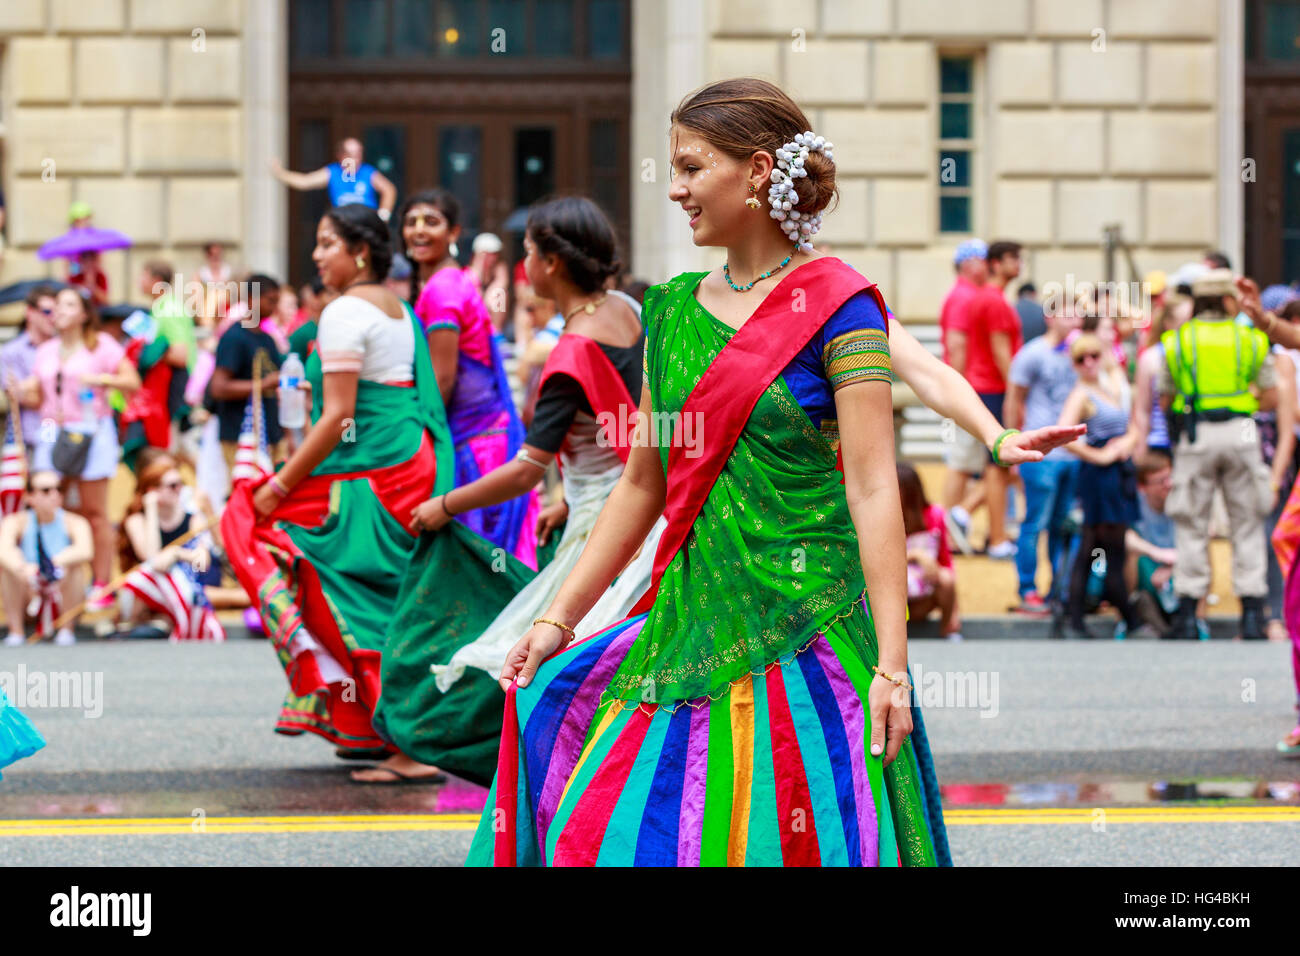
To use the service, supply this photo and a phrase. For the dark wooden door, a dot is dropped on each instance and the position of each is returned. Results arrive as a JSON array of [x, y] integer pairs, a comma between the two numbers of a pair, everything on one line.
[[434, 103], [1271, 171]]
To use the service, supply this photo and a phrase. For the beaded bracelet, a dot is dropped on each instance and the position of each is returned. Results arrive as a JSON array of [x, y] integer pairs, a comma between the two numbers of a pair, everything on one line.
[[997, 445], [899, 681], [278, 486]]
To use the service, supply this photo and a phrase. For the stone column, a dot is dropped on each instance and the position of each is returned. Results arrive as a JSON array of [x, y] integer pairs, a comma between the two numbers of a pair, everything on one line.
[[1232, 209], [670, 44], [266, 113]]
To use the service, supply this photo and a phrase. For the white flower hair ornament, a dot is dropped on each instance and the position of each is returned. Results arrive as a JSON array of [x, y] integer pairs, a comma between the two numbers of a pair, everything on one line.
[[781, 193]]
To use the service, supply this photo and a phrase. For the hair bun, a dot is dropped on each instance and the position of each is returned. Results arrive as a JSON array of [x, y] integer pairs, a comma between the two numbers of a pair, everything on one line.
[[821, 177]]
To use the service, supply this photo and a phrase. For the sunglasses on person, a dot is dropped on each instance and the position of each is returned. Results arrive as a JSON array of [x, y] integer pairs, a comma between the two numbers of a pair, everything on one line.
[[1095, 356]]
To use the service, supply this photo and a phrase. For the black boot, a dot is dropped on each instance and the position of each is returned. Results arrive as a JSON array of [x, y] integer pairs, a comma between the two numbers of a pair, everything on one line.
[[1184, 624], [1252, 619]]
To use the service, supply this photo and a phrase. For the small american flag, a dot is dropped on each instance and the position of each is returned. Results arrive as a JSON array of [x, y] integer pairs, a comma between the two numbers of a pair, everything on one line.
[[47, 604], [178, 596], [13, 469], [252, 456]]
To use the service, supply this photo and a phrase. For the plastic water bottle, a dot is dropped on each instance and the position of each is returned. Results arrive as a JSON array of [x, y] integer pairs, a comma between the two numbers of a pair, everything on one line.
[[88, 418], [293, 406]]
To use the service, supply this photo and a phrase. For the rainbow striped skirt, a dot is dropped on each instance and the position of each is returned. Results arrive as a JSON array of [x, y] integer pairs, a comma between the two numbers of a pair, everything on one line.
[[777, 771]]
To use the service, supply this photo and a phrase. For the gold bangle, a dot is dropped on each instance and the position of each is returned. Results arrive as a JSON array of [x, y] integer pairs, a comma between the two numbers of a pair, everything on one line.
[[899, 681], [563, 627]]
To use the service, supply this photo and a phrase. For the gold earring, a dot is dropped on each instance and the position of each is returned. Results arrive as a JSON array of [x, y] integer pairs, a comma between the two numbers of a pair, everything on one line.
[[752, 202], [361, 263]]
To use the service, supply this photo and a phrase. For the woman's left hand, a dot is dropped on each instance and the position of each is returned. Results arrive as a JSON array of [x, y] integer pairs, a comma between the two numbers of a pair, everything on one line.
[[429, 516], [265, 500], [891, 716], [1034, 444]]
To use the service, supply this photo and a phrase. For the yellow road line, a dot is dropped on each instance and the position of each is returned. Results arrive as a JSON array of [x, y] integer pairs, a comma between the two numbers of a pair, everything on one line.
[[297, 819], [465, 822], [1075, 816]]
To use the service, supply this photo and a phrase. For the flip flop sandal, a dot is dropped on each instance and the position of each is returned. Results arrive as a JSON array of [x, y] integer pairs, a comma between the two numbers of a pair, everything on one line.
[[369, 753], [399, 779]]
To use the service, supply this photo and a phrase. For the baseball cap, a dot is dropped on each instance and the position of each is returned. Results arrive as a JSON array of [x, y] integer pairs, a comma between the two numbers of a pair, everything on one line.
[[1276, 296], [970, 249], [1214, 282], [1187, 273]]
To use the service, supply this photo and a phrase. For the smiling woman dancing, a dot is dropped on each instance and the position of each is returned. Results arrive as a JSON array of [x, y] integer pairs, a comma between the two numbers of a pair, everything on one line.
[[485, 426], [750, 711], [320, 547]]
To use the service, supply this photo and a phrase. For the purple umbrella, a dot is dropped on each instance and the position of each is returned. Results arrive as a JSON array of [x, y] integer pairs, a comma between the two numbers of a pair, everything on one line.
[[86, 239]]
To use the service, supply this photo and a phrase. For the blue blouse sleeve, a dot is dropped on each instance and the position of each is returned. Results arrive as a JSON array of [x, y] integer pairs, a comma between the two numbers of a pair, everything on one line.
[[856, 343]]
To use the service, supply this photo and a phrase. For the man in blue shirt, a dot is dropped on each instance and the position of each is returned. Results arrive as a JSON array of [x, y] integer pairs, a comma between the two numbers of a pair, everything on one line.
[[1041, 378], [18, 357], [350, 179], [1150, 545]]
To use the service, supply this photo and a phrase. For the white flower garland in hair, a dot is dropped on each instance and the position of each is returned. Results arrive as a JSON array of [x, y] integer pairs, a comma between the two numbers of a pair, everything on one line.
[[781, 194]]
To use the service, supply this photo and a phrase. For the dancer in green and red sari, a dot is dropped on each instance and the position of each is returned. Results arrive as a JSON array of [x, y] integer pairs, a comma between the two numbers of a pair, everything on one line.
[[321, 546], [751, 710]]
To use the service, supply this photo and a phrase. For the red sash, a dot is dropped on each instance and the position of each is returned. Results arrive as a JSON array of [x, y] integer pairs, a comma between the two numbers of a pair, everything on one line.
[[732, 385], [583, 360]]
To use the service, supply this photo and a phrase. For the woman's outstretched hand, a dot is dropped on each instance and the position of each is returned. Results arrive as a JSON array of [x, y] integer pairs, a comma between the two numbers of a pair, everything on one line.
[[1248, 298], [541, 641], [1034, 444]]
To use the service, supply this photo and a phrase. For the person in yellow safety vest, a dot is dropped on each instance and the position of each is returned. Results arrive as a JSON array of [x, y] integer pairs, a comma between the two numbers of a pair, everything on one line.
[[1216, 375]]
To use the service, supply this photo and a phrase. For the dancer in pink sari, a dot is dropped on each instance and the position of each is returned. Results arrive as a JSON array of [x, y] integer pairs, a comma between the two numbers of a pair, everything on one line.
[[485, 425]]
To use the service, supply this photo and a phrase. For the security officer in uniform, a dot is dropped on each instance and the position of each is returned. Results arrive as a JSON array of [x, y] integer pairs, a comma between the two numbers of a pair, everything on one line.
[[1216, 375]]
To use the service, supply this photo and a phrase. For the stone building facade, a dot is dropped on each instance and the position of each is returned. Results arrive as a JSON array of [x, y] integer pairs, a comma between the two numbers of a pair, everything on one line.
[[143, 109], [1085, 113], [162, 113]]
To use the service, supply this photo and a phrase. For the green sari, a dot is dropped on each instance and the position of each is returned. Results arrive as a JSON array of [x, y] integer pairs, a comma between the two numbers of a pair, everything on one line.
[[729, 723]]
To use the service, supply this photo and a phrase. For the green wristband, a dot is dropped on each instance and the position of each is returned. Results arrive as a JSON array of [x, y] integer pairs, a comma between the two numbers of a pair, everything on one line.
[[997, 445]]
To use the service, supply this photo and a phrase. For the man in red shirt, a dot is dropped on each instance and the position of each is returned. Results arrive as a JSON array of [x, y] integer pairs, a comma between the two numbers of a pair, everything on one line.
[[993, 337], [965, 455]]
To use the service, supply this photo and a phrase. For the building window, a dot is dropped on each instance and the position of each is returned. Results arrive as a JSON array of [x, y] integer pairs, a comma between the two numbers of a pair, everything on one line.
[[957, 134], [606, 28], [424, 33], [412, 27], [459, 32], [1272, 32], [365, 29]]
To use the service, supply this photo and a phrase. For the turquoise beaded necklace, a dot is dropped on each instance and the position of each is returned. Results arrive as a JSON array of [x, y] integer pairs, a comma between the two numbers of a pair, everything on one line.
[[726, 273]]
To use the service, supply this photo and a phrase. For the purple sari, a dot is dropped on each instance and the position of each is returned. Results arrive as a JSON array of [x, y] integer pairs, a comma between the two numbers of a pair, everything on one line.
[[485, 426]]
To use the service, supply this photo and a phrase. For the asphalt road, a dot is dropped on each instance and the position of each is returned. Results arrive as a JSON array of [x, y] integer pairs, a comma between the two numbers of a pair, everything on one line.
[[169, 758]]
